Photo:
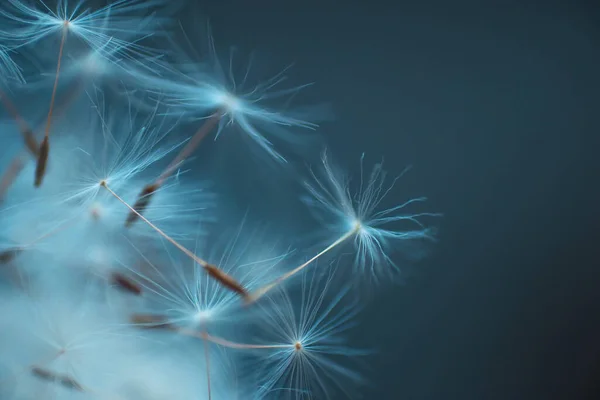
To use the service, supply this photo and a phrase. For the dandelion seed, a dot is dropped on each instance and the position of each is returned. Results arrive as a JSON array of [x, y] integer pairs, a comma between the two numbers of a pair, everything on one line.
[[226, 280], [63, 380], [378, 233], [71, 383], [31, 142], [146, 195], [42, 162], [121, 146], [89, 26], [356, 218], [114, 196], [216, 93], [191, 298], [6, 256], [69, 340], [126, 284], [303, 355], [40, 170], [60, 54], [205, 88], [308, 361], [102, 29], [141, 203], [43, 373], [210, 269]]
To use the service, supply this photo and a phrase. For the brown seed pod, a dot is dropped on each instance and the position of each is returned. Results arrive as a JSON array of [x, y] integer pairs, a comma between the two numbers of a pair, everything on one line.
[[125, 283], [63, 380], [8, 255], [42, 162], [70, 383], [150, 321], [141, 203], [226, 280]]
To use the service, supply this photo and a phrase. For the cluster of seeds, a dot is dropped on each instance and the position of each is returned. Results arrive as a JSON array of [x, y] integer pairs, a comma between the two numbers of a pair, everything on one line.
[[119, 278]]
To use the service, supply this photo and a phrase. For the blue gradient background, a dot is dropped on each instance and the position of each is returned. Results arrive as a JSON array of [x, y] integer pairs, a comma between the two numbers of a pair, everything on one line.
[[495, 103]]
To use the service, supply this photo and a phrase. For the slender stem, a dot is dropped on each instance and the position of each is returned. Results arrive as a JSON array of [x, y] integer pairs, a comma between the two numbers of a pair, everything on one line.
[[214, 272], [189, 148], [60, 53], [42, 161], [265, 289], [207, 358], [149, 190], [187, 252], [18, 163], [157, 321], [232, 345]]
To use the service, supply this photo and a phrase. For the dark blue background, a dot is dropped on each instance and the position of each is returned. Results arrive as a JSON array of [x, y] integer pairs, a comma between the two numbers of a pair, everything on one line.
[[495, 103]]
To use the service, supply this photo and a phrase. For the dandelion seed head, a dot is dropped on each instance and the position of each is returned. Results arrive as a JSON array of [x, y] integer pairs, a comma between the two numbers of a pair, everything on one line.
[[100, 28], [377, 232], [203, 83], [229, 102], [84, 276], [188, 297], [310, 333]]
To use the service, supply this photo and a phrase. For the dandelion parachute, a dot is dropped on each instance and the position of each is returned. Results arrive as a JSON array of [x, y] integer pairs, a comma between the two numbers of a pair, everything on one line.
[[125, 273]]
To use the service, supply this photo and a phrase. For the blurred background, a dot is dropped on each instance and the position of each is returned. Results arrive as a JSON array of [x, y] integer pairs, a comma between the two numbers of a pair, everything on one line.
[[495, 104]]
